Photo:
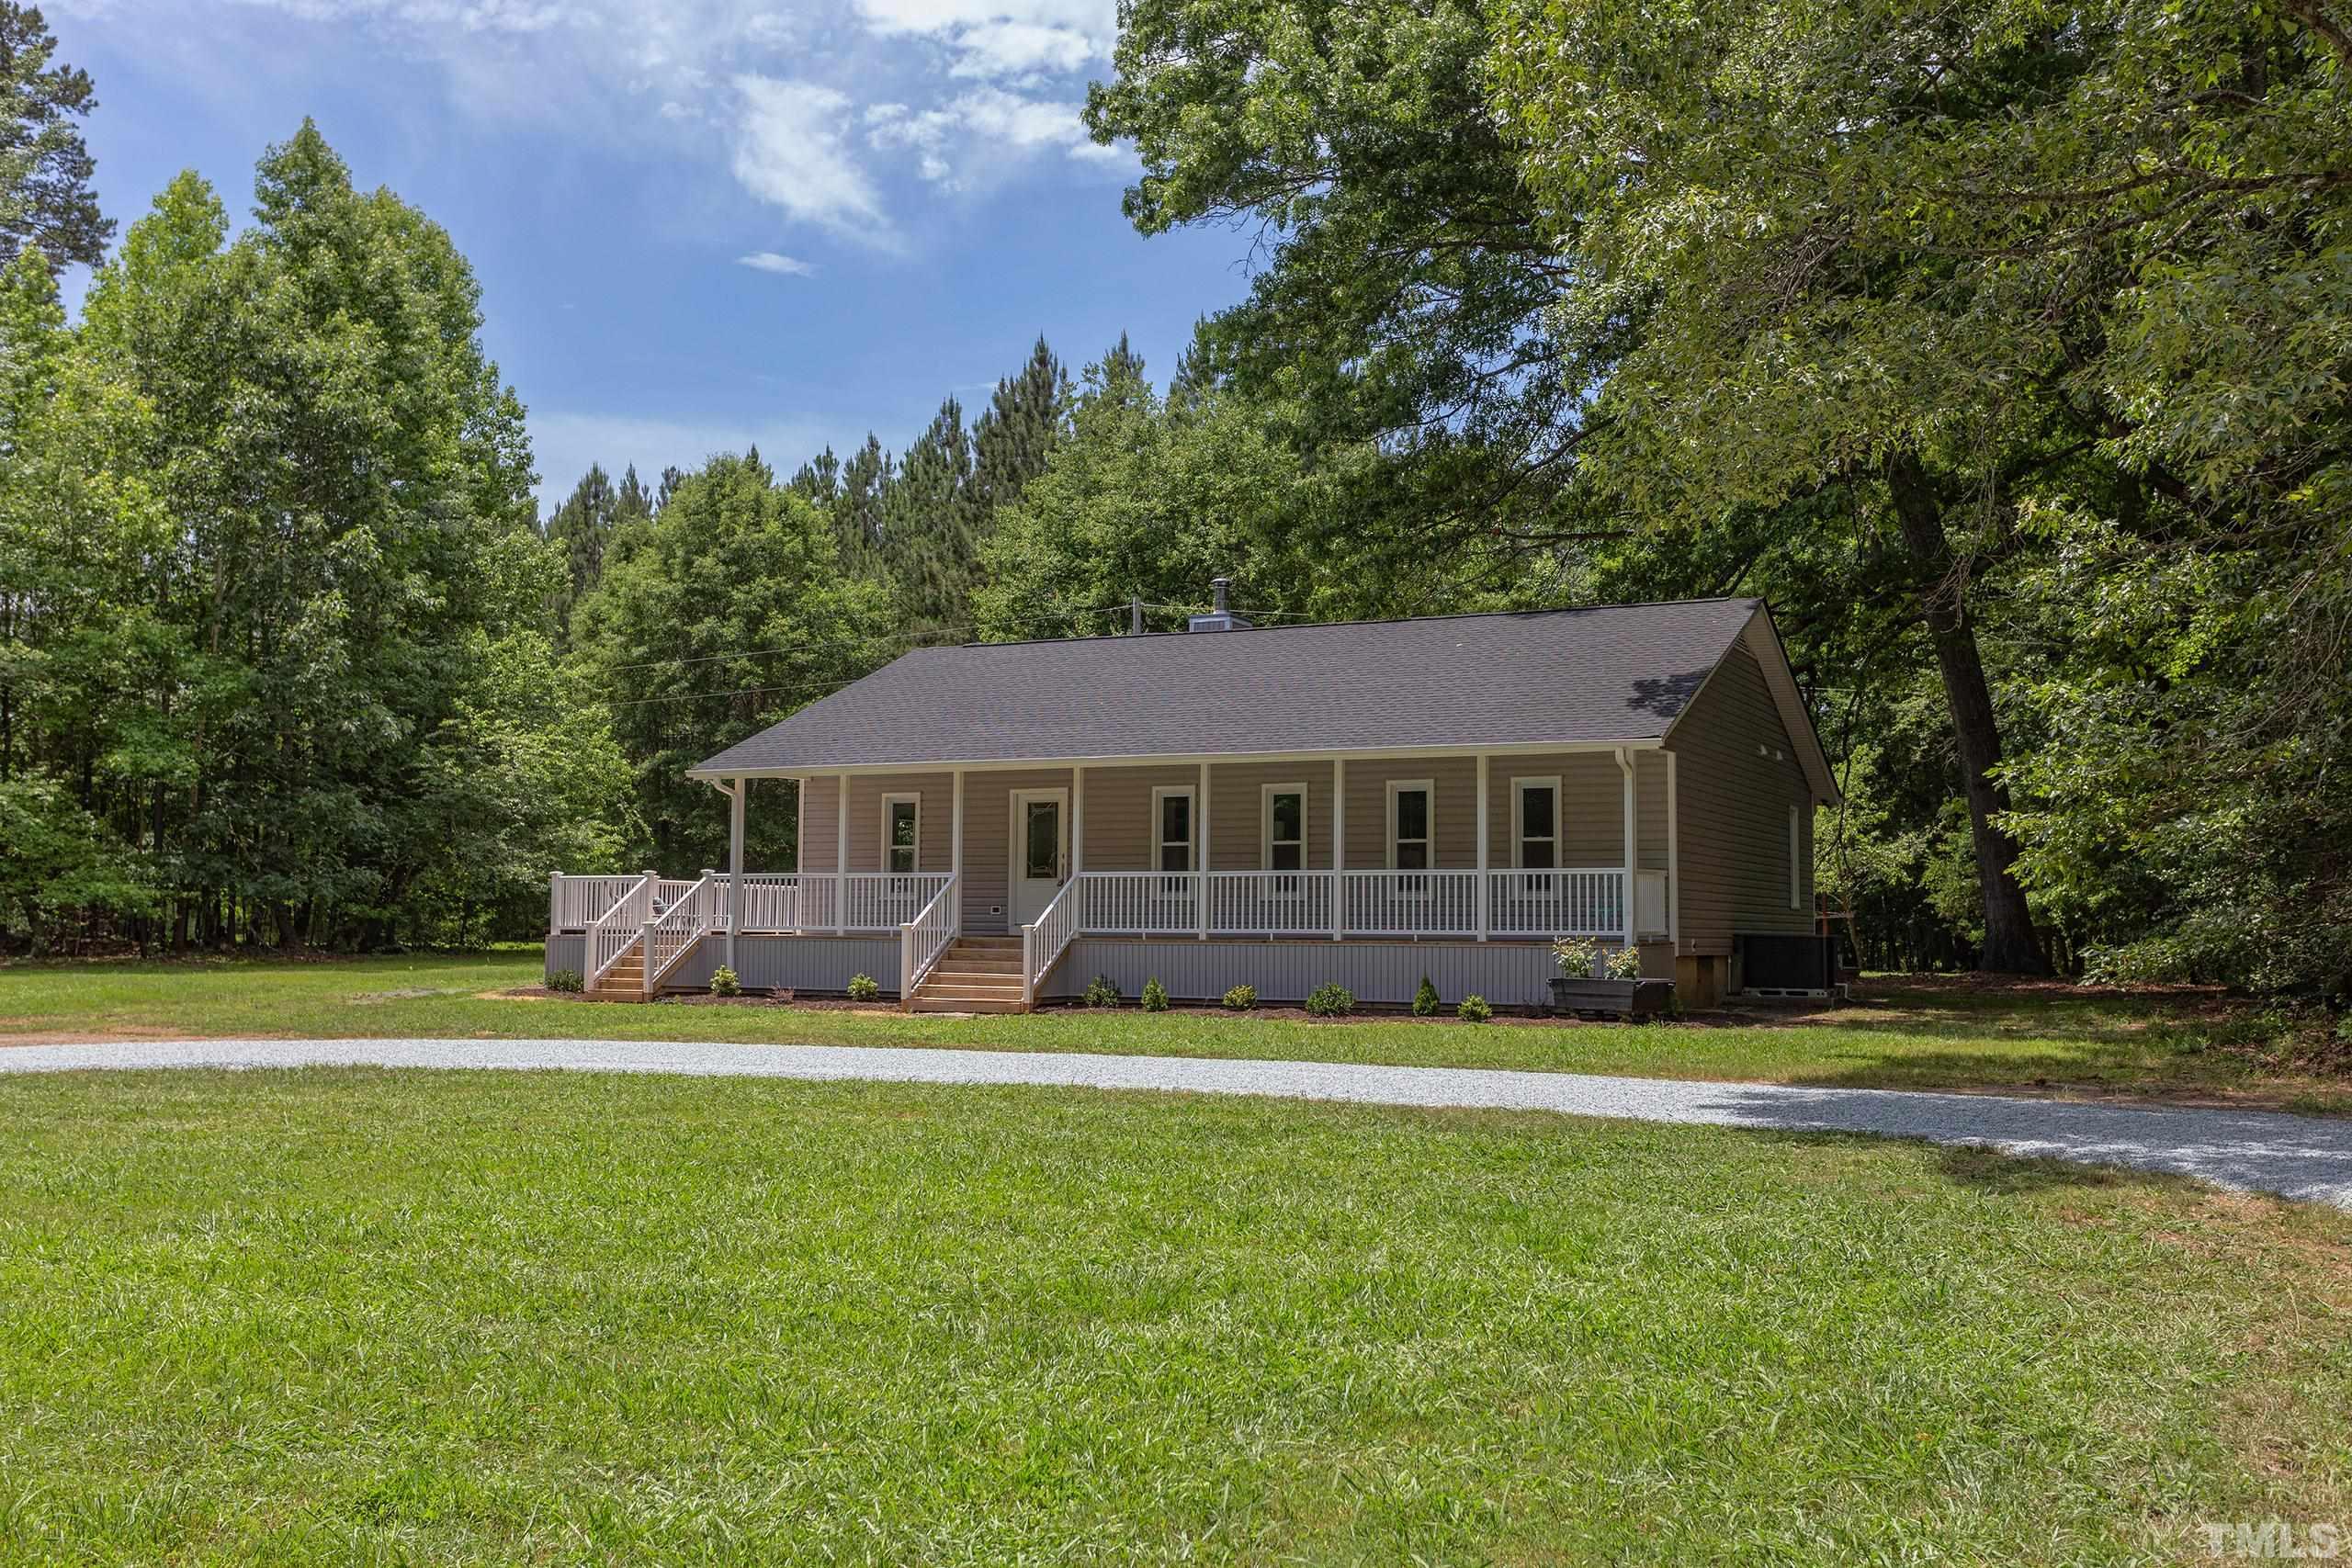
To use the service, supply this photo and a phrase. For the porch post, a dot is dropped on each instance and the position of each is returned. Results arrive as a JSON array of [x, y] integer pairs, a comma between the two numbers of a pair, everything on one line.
[[1625, 774], [841, 853], [1483, 922], [1673, 862], [1077, 820], [735, 864], [955, 844], [1339, 848], [1200, 877]]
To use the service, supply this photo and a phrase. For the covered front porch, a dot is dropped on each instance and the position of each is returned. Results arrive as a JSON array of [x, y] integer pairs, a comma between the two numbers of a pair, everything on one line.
[[1379, 850]]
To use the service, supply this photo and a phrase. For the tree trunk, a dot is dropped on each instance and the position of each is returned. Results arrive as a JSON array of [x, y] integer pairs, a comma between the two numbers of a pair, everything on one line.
[[2012, 945]]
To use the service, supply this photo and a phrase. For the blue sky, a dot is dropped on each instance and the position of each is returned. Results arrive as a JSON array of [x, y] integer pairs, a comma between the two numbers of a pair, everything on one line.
[[697, 224]]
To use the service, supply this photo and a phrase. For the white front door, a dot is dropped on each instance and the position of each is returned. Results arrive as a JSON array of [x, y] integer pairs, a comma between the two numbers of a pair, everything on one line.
[[1040, 850]]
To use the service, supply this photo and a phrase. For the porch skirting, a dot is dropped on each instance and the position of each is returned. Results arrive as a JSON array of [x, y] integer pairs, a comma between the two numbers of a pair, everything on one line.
[[1382, 974], [767, 961]]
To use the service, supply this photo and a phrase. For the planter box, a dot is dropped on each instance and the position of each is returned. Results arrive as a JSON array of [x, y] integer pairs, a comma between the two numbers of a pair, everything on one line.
[[1614, 998]]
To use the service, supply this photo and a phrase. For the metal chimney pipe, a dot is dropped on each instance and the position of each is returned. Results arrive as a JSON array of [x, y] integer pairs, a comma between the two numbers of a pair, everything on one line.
[[1220, 584]]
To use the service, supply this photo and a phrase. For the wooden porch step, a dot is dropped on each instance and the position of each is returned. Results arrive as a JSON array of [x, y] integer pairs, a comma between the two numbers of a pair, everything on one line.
[[971, 990], [977, 974]]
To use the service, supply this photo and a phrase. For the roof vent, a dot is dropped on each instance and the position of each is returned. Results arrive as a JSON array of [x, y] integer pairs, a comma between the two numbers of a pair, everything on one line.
[[1219, 619]]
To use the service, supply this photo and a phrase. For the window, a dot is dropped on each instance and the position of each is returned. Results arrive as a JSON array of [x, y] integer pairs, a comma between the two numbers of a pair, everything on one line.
[[1536, 832], [901, 832], [1172, 816], [1041, 841], [1285, 819], [1796, 868], [1412, 811]]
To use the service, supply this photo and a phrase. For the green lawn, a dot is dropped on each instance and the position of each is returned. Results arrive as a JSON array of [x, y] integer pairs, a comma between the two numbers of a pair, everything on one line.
[[1906, 1034], [351, 1315]]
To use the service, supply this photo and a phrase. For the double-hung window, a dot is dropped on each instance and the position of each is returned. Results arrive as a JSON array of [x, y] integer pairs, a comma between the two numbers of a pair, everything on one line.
[[1173, 837], [1535, 829], [1285, 816], [902, 832], [1412, 817]]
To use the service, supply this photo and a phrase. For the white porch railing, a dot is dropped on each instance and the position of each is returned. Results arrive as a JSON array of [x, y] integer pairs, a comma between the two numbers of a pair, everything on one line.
[[689, 915], [862, 902], [1042, 942], [1519, 905], [1370, 903], [925, 939], [575, 903], [614, 932], [1556, 903], [1138, 902], [1410, 903]]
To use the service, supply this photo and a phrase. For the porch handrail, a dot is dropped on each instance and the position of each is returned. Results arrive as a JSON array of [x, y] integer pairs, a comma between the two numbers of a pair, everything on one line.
[[1044, 942], [673, 932], [1569, 901], [575, 903], [924, 940], [617, 930]]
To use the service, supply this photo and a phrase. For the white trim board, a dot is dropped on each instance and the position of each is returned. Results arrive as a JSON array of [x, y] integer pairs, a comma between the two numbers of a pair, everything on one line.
[[1172, 759]]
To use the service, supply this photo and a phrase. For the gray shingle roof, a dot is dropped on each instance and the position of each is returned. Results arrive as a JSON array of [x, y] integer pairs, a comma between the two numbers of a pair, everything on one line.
[[1613, 673]]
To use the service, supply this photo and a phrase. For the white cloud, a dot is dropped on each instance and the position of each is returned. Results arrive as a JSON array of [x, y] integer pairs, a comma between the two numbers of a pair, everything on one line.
[[768, 261], [1024, 50], [828, 112], [1003, 38], [789, 151], [971, 138]]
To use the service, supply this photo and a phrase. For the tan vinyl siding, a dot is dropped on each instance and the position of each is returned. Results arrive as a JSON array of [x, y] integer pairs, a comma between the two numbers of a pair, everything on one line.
[[1592, 807], [817, 797], [1119, 828], [1456, 783], [1649, 807], [988, 826], [1237, 812], [934, 844], [1733, 801]]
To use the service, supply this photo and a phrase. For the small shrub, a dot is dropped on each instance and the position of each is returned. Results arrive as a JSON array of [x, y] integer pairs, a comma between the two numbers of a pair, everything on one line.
[[1577, 956], [864, 988], [1155, 995], [1475, 1009], [1241, 999], [724, 982], [1330, 1000], [1425, 1003], [1624, 964], [1102, 993], [564, 980]]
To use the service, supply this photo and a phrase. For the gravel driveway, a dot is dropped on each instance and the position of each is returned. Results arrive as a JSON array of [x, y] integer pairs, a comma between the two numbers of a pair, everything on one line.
[[2258, 1151]]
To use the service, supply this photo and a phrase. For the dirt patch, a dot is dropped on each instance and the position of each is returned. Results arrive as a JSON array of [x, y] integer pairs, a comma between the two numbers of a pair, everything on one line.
[[126, 1036]]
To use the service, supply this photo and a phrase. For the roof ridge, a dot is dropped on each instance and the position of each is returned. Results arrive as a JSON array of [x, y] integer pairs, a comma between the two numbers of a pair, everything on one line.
[[1361, 621]]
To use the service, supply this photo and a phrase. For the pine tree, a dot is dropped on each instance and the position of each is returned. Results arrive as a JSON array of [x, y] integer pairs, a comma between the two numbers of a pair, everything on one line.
[[45, 196], [672, 478], [582, 529], [1012, 441], [857, 505], [819, 480], [930, 539]]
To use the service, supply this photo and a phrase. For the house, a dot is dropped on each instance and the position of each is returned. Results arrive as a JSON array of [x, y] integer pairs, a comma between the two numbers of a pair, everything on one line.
[[991, 826]]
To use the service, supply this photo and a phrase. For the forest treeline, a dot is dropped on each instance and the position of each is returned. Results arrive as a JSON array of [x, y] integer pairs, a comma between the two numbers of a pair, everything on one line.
[[2006, 348]]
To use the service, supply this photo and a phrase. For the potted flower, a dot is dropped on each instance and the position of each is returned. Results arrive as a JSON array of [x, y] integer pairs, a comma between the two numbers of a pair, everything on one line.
[[1593, 982]]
